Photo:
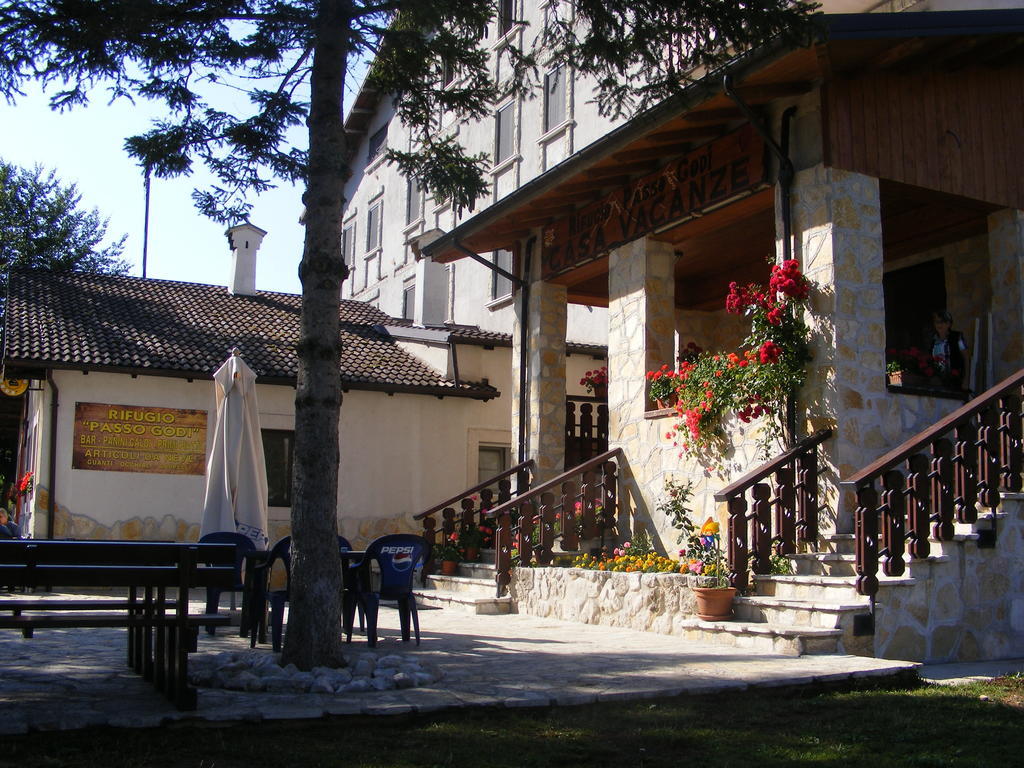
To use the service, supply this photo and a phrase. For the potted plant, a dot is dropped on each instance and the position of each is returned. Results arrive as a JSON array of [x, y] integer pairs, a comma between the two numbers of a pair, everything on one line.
[[912, 367], [596, 381], [447, 552], [662, 387], [713, 592], [470, 540]]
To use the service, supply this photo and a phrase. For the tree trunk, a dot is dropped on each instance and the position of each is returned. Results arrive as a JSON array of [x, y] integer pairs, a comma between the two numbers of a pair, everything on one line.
[[314, 621]]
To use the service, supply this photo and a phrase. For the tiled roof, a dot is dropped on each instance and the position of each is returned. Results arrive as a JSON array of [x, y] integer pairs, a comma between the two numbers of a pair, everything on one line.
[[104, 322], [471, 334]]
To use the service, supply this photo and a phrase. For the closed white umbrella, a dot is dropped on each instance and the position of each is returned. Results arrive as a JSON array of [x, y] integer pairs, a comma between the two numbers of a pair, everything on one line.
[[236, 473]]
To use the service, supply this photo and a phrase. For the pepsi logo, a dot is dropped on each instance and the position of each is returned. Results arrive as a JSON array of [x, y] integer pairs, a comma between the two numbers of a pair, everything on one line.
[[401, 557]]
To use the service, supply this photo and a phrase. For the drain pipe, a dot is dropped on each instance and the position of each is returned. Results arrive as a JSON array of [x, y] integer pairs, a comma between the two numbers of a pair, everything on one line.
[[786, 176], [51, 507], [523, 283]]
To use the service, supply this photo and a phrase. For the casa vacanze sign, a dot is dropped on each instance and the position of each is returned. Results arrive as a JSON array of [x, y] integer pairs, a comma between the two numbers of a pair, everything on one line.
[[127, 438], [706, 177]]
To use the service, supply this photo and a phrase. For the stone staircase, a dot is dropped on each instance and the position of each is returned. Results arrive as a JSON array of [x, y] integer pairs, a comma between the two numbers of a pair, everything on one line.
[[471, 590], [816, 610]]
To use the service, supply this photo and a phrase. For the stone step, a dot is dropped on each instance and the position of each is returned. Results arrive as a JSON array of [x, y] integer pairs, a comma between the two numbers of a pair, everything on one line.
[[823, 564], [763, 638], [822, 588], [838, 543], [467, 603], [463, 585], [799, 613]]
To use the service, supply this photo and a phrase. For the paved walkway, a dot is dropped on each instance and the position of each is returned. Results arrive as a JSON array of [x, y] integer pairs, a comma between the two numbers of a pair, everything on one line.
[[77, 678]]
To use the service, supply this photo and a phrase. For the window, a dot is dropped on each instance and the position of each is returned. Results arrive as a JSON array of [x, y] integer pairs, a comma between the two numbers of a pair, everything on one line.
[[408, 299], [501, 285], [503, 128], [413, 201], [278, 446], [447, 73], [374, 221], [506, 16], [348, 246], [378, 143], [492, 461], [554, 98]]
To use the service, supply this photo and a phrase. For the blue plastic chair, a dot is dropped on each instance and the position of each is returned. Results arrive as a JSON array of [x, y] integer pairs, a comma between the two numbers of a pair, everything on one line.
[[282, 551], [397, 555], [242, 544]]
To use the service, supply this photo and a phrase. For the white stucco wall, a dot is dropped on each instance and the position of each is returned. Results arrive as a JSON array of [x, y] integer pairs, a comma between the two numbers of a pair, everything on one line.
[[400, 454]]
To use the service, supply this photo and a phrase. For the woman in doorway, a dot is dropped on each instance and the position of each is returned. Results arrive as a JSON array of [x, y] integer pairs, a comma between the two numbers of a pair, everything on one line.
[[949, 348]]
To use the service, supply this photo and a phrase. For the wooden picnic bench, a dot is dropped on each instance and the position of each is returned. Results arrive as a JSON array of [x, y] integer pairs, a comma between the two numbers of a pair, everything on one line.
[[158, 577]]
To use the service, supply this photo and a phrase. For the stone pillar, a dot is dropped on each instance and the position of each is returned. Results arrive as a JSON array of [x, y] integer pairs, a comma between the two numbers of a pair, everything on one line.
[[1006, 267], [545, 341], [641, 337], [837, 238]]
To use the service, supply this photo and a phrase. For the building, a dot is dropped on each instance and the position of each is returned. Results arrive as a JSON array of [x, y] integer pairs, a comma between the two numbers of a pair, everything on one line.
[[882, 158], [118, 417]]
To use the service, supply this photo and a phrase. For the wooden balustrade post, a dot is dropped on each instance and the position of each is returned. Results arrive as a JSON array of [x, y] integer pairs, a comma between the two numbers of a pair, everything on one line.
[[589, 496], [965, 473], [430, 534], [785, 511], [941, 477], [546, 532], [865, 521], [570, 536], [893, 524], [486, 503], [807, 497], [988, 458], [524, 538], [917, 505], [1011, 454], [503, 552], [468, 516], [447, 522], [587, 445], [572, 442], [761, 530], [609, 495], [504, 490], [738, 553]]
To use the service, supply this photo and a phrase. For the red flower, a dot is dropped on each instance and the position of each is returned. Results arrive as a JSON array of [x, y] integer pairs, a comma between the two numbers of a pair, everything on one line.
[[769, 353]]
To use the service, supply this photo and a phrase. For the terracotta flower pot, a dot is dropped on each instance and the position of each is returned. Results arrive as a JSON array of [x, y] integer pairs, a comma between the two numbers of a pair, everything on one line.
[[714, 603], [449, 567], [668, 402], [601, 391], [472, 554]]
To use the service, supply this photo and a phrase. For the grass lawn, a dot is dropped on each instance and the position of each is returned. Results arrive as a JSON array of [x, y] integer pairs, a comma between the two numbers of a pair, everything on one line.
[[883, 724]]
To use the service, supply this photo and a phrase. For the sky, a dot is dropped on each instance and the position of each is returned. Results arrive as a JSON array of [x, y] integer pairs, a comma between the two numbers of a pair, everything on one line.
[[85, 146]]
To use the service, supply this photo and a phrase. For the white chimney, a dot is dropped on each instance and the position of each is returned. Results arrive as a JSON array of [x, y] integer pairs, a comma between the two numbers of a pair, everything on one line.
[[245, 240], [430, 302]]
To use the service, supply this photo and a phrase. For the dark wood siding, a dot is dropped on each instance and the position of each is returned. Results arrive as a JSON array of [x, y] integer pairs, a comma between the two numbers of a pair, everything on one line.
[[957, 132]]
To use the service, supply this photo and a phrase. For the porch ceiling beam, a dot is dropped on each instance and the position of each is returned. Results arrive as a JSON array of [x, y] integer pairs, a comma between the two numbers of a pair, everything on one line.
[[714, 115], [899, 53], [685, 135], [758, 94], [650, 153], [601, 174]]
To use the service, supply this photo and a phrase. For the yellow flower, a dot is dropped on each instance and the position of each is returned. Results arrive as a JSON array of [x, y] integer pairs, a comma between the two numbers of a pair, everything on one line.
[[710, 527]]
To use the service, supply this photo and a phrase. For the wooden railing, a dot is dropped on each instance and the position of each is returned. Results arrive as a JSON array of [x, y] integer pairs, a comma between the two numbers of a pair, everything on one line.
[[580, 504], [470, 506], [586, 429], [773, 523], [945, 472]]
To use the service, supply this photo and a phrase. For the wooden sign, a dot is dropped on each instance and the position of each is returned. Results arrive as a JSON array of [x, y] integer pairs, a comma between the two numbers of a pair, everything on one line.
[[706, 177], [129, 438]]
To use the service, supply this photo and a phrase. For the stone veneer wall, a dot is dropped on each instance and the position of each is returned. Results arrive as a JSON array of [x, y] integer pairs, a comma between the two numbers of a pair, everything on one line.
[[838, 241], [1006, 246], [966, 605], [547, 317], [642, 323], [649, 602]]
